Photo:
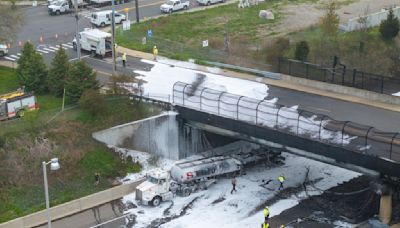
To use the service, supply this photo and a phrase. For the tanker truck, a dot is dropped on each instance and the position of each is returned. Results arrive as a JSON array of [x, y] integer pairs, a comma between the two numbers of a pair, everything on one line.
[[190, 175]]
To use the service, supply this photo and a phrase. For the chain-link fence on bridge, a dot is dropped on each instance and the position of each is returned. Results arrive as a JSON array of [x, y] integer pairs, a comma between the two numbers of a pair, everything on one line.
[[340, 75], [302, 123]]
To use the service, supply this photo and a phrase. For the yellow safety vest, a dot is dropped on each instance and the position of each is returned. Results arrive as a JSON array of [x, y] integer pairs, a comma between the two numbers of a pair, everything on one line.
[[155, 51], [266, 225], [123, 57], [266, 212], [281, 178]]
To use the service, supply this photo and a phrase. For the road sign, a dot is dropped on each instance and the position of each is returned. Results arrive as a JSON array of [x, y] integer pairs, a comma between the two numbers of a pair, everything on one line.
[[126, 25], [205, 43], [144, 40], [149, 33]]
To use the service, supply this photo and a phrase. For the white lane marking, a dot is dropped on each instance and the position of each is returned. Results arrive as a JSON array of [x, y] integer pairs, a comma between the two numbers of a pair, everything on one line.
[[14, 56], [46, 49], [9, 58], [19, 54], [66, 45], [85, 56], [54, 48], [46, 52], [69, 43]]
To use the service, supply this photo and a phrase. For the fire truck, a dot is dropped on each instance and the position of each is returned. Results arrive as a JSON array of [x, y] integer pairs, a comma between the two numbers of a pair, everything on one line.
[[15, 104]]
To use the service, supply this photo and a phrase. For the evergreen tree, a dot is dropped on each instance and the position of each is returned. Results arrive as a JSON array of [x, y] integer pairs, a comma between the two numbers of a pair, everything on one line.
[[58, 72], [81, 77], [389, 28], [302, 51], [330, 21], [31, 70]]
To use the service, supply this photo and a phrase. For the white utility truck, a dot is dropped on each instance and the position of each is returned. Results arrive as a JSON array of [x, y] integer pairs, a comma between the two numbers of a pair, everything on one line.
[[174, 5], [103, 18], [58, 7], [16, 103], [190, 175], [95, 41], [3, 50]]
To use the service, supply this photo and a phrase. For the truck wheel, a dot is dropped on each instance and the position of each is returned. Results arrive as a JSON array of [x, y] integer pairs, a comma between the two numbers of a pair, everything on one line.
[[2, 53], [93, 53], [156, 201], [186, 192], [102, 24], [185, 7], [21, 113], [208, 3], [170, 11], [58, 12]]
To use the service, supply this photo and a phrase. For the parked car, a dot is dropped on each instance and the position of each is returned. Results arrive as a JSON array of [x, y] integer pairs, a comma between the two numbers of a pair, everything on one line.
[[174, 5], [209, 2], [103, 18]]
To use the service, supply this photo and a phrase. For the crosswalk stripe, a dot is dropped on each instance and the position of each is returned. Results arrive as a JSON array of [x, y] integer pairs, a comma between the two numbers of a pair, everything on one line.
[[14, 56], [19, 54], [42, 51], [54, 48], [9, 58], [66, 45], [46, 49], [69, 43]]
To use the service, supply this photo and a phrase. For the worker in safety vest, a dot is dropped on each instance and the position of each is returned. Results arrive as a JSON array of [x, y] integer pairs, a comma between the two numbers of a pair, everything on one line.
[[124, 60], [265, 225], [282, 226], [281, 179], [155, 52], [266, 213]]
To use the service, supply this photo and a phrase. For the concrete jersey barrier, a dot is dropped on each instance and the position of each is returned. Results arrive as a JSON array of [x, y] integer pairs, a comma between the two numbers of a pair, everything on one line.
[[73, 207]]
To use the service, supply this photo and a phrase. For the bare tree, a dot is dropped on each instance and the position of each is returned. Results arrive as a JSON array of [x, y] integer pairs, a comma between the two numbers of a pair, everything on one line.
[[10, 21]]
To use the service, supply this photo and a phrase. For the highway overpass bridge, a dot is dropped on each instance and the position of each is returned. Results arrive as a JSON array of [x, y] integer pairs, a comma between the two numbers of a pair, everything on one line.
[[343, 143]]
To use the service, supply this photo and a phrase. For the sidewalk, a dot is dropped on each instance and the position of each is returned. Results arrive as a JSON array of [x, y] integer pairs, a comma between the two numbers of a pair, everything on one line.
[[277, 83]]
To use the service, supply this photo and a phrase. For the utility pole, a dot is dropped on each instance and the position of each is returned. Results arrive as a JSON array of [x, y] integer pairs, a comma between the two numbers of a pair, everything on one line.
[[113, 35], [78, 44], [137, 10]]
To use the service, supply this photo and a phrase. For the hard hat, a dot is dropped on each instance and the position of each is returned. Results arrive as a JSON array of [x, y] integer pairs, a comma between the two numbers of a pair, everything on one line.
[[155, 46]]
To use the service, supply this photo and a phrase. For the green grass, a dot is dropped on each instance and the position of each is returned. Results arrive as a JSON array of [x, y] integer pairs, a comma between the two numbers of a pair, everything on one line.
[[24, 200], [8, 80]]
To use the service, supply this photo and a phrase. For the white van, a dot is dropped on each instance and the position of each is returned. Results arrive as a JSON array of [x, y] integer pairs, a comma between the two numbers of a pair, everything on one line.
[[103, 18]]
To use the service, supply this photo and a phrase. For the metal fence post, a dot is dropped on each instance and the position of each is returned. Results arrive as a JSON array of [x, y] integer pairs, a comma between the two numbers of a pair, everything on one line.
[[320, 127], [354, 77], [362, 80], [381, 84], [277, 117], [219, 101], [344, 126], [391, 144], [298, 122], [343, 74], [257, 110], [237, 107], [307, 70], [290, 67], [279, 64], [366, 137]]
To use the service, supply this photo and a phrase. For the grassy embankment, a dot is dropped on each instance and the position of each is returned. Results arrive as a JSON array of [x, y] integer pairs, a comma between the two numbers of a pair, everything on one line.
[[180, 36], [26, 142]]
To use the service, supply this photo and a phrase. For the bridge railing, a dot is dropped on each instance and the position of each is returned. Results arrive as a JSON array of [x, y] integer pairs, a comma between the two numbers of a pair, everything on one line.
[[302, 123]]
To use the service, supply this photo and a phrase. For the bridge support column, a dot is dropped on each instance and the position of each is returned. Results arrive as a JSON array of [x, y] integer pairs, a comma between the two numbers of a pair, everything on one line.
[[385, 208]]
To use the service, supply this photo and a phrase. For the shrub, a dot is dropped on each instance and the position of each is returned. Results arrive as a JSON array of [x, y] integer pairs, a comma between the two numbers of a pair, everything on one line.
[[389, 28], [301, 51], [92, 102]]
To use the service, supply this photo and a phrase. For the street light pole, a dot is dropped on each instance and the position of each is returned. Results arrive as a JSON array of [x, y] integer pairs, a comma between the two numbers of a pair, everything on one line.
[[54, 166], [46, 192], [113, 35], [78, 46], [137, 10]]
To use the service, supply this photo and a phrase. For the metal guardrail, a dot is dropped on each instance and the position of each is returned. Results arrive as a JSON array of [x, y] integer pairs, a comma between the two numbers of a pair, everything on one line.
[[262, 73], [352, 136]]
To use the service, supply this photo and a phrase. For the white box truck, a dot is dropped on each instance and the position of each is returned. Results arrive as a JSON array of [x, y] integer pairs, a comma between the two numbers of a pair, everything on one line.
[[57, 7], [95, 41], [174, 5]]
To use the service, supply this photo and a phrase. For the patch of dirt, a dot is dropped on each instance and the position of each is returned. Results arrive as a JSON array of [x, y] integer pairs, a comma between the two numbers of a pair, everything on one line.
[[301, 16]]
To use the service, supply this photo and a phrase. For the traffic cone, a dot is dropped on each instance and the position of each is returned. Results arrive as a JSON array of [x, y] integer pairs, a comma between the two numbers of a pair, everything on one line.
[[20, 43], [41, 39], [56, 36]]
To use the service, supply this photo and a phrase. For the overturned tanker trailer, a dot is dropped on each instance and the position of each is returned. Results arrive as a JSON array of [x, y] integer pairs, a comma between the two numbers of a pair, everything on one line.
[[190, 175]]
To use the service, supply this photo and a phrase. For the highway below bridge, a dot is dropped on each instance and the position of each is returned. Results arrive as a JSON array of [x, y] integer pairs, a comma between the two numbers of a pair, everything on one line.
[[344, 144]]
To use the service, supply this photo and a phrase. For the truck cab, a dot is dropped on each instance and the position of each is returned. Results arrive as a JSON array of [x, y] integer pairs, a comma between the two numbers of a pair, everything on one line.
[[155, 189], [59, 7], [3, 50]]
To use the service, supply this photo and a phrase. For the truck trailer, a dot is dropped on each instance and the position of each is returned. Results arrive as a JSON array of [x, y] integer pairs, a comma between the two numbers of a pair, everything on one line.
[[16, 103]]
